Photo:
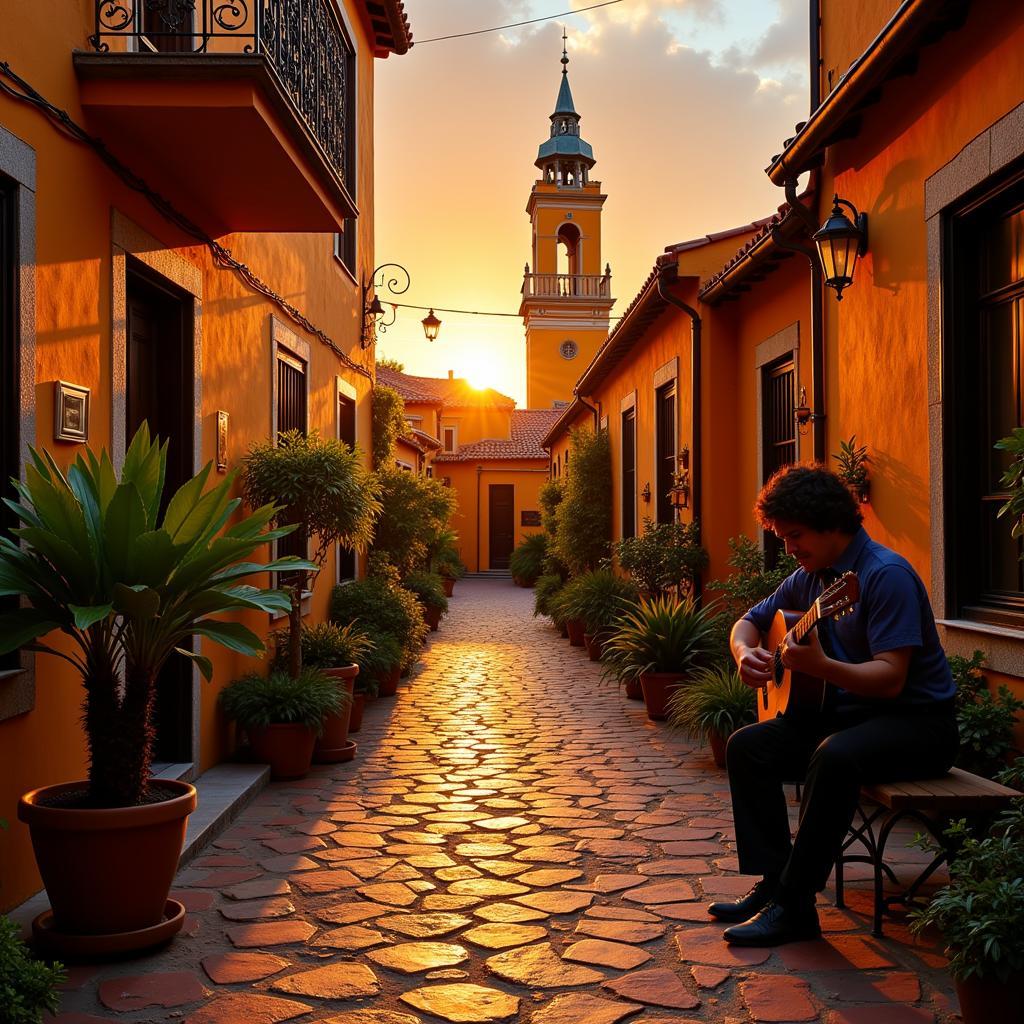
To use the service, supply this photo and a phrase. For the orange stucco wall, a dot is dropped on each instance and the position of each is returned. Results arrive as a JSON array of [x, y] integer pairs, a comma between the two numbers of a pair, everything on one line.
[[478, 423], [472, 519], [75, 279]]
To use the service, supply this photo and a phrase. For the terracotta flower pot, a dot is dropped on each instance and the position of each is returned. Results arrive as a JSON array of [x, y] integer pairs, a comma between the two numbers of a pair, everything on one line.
[[355, 720], [718, 742], [576, 630], [286, 746], [432, 617], [387, 685], [987, 1000], [332, 744], [563, 629], [634, 690], [448, 582], [107, 871], [593, 646], [657, 688]]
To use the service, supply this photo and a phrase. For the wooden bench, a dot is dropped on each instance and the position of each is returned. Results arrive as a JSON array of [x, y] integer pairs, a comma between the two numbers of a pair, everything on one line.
[[932, 803]]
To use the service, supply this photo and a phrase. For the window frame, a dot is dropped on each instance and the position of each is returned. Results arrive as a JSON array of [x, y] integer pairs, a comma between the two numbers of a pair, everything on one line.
[[628, 473], [445, 448]]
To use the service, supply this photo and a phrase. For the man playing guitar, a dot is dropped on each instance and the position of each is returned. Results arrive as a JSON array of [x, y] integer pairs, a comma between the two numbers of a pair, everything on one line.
[[888, 713]]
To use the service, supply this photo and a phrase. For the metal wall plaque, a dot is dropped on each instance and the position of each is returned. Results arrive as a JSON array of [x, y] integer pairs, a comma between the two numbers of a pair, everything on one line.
[[529, 518], [70, 412], [222, 441]]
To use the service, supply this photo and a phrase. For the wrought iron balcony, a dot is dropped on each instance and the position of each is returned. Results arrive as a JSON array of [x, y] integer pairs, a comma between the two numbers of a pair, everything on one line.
[[283, 69], [567, 286]]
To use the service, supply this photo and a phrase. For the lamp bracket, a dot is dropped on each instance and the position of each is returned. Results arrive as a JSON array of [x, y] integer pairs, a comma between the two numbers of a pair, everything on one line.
[[397, 283]]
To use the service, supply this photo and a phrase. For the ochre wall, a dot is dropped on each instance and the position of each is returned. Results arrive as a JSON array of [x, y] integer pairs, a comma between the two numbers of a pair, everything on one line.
[[846, 31], [75, 197], [478, 423], [549, 375], [585, 206]]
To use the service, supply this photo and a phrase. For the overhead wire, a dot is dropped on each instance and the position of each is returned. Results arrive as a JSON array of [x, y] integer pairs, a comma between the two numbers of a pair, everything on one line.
[[515, 24]]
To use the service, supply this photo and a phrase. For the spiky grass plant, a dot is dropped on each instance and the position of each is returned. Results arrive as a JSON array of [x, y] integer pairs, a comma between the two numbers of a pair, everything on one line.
[[277, 699], [715, 702]]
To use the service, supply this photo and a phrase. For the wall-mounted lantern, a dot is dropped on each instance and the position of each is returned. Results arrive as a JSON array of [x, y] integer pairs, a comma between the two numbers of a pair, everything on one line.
[[431, 325], [840, 241], [645, 494]]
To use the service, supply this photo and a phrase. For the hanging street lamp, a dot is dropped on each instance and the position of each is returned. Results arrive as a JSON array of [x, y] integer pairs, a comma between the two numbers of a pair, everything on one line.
[[840, 241]]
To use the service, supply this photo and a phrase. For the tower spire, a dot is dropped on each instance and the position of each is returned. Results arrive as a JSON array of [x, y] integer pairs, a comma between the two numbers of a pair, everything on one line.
[[565, 53]]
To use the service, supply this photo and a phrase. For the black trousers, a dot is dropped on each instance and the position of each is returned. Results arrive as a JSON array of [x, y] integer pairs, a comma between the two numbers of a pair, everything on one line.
[[833, 755]]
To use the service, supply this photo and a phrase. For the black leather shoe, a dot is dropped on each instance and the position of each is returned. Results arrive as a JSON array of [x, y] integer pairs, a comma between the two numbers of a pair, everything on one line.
[[745, 908], [775, 925]]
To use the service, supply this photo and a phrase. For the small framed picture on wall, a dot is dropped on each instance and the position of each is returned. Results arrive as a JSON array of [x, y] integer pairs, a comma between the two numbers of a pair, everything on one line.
[[70, 412]]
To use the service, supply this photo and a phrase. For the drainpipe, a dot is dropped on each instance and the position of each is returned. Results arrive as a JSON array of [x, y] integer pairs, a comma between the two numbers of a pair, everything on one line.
[[479, 477], [668, 272], [596, 412], [815, 53]]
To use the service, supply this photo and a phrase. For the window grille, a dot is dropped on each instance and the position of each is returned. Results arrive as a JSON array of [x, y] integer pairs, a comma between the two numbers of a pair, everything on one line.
[[665, 457], [629, 473]]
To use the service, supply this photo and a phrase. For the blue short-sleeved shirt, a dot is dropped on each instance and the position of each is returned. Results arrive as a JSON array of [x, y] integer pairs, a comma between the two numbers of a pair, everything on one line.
[[893, 612]]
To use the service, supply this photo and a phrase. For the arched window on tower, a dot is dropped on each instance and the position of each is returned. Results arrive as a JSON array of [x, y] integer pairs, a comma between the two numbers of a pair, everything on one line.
[[569, 253]]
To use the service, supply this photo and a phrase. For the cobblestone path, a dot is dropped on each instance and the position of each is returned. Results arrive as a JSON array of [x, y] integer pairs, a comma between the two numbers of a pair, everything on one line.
[[515, 841]]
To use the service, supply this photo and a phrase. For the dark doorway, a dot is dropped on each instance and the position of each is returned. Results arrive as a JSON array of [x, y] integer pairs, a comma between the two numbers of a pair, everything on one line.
[[629, 473], [502, 507], [169, 25], [665, 465], [778, 433], [161, 391]]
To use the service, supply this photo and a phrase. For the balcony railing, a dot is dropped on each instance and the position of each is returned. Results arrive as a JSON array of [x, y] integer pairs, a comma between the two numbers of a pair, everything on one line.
[[301, 40], [567, 286]]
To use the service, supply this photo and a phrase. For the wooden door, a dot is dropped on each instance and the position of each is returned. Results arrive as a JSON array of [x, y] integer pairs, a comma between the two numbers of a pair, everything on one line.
[[502, 523], [778, 432], [161, 392]]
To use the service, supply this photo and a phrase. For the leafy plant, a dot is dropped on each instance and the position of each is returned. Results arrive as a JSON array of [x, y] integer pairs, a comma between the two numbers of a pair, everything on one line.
[[715, 702], [752, 581], [444, 556], [384, 363], [321, 485], [662, 634], [665, 558], [583, 532], [545, 590], [527, 560], [985, 720], [259, 701], [550, 498], [427, 586], [979, 912], [414, 515], [388, 414], [28, 987], [853, 463], [324, 645], [598, 598], [381, 606], [382, 657], [130, 586], [1013, 480]]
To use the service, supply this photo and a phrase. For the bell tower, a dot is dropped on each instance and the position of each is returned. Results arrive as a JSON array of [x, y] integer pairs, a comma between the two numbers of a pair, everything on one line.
[[566, 296]]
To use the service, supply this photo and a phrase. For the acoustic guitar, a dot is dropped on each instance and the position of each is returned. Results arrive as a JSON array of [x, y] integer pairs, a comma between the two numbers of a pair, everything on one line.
[[791, 692]]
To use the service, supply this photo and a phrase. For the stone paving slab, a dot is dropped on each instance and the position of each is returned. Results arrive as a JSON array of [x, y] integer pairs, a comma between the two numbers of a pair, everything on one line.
[[515, 841]]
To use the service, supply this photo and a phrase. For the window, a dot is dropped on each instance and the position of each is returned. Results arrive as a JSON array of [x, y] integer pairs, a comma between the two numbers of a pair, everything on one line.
[[10, 405], [449, 439], [984, 263], [665, 448], [291, 415], [346, 433], [345, 245], [629, 473], [778, 432]]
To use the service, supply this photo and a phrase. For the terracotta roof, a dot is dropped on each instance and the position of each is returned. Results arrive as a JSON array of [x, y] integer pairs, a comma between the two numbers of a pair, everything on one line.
[[716, 236], [448, 392], [424, 439], [566, 418], [529, 426], [390, 25]]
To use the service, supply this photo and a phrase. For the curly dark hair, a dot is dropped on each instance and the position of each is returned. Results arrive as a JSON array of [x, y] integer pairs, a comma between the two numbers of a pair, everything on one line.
[[810, 495]]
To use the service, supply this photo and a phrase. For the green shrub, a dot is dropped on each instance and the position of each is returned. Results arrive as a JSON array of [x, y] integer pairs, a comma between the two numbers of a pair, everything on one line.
[[985, 720], [598, 598], [1013, 481], [388, 424], [662, 634], [381, 658], [584, 528], [444, 556], [545, 590], [28, 987], [752, 581], [414, 514], [255, 700], [427, 586], [381, 606], [324, 645], [666, 558], [527, 560], [979, 912], [714, 702]]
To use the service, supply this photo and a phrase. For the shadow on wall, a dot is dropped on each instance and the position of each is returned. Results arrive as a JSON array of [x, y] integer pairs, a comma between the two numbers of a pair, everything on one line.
[[906, 514], [896, 245]]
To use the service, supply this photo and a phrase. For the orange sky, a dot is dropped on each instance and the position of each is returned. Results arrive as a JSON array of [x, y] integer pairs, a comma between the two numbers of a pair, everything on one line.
[[684, 102]]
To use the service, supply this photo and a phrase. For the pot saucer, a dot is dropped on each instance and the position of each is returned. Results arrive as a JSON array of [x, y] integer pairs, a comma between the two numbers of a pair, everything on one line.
[[336, 755], [47, 938]]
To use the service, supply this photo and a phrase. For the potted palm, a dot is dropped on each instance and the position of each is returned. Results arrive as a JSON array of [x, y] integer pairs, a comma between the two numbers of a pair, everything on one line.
[[429, 591], [712, 706], [597, 599], [129, 580], [445, 561], [526, 563], [853, 462], [335, 651], [283, 715], [979, 913], [379, 661], [660, 642]]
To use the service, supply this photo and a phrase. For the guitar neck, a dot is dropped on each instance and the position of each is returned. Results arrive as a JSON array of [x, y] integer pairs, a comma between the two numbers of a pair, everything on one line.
[[810, 619]]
